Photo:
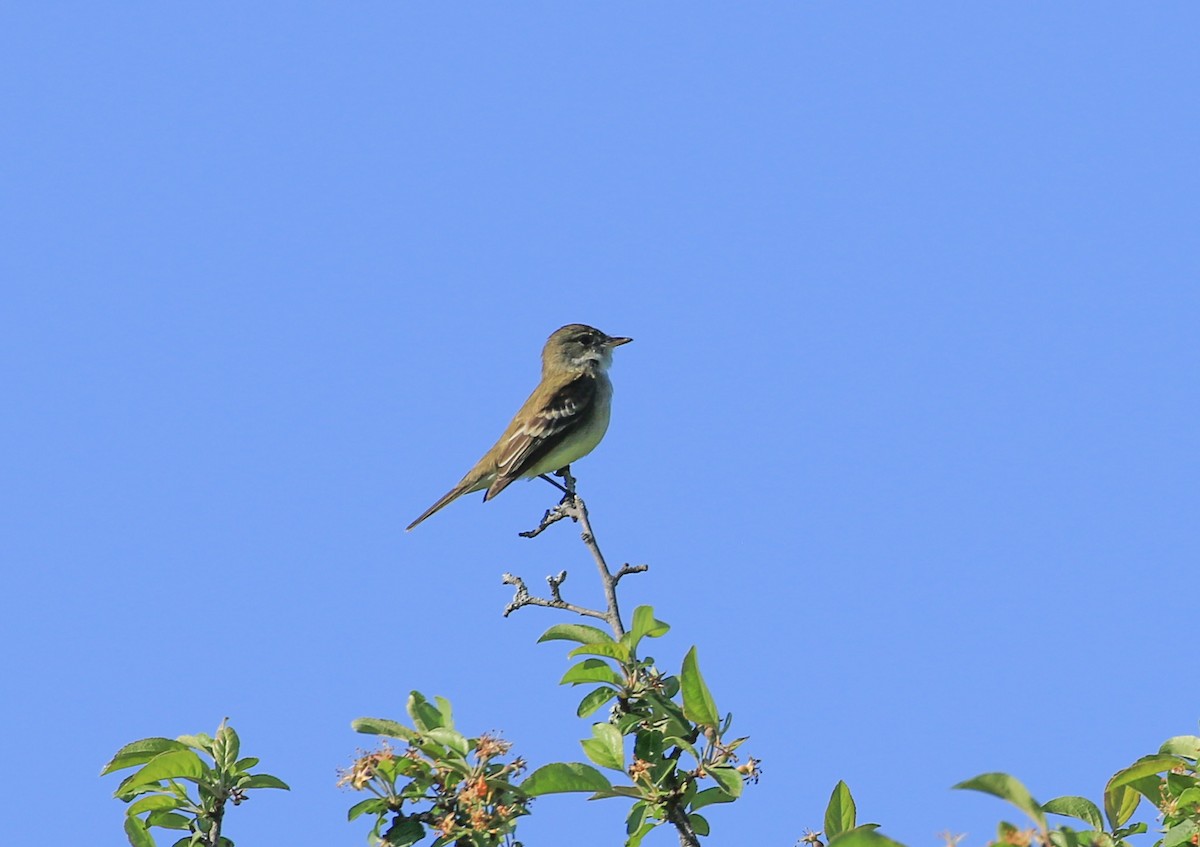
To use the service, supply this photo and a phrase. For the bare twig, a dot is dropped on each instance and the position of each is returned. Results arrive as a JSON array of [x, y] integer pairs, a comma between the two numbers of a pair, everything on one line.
[[551, 517], [626, 569], [524, 598], [572, 506], [556, 585]]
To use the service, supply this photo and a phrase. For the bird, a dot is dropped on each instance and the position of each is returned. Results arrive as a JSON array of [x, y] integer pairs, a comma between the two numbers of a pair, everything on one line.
[[562, 421]]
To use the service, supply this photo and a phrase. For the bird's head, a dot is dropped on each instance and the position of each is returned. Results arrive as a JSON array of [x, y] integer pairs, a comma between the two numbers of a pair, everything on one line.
[[579, 347]]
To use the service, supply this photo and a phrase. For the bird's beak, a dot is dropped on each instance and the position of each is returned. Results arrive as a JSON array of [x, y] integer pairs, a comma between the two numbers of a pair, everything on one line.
[[617, 342]]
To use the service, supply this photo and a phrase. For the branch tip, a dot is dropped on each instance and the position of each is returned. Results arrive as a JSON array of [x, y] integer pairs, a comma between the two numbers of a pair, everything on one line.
[[572, 506]]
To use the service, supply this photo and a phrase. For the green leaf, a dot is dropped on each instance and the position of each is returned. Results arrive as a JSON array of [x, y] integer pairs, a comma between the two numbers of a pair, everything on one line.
[[636, 838], [608, 649], [384, 727], [1188, 797], [667, 717], [451, 738], [711, 795], [699, 824], [404, 831], [670, 686], [698, 703], [126, 792], [1149, 787], [140, 752], [265, 780], [564, 778], [606, 747], [735, 743], [372, 806], [1182, 745], [137, 833], [728, 778], [173, 764], [840, 814], [168, 820], [662, 770], [1181, 833], [628, 723], [582, 633], [245, 764], [618, 791], [229, 745], [648, 745], [1007, 788], [645, 626], [593, 700], [591, 670], [424, 716], [443, 706], [635, 818], [862, 837], [1076, 807], [1177, 783], [154, 803], [1120, 801], [201, 741], [1145, 766], [682, 744], [1065, 837]]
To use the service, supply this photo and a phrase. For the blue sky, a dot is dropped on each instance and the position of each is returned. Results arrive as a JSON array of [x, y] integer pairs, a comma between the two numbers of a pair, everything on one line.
[[907, 433]]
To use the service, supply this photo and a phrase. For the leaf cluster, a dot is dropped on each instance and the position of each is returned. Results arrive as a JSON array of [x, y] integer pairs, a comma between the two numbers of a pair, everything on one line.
[[457, 786], [1168, 780], [678, 736], [157, 793]]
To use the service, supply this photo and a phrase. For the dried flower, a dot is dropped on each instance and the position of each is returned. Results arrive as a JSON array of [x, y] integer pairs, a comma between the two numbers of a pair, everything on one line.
[[364, 767]]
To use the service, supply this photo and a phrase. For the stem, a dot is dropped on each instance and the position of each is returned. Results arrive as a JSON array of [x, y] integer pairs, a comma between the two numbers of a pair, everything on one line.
[[572, 506], [214, 834], [607, 579], [687, 835]]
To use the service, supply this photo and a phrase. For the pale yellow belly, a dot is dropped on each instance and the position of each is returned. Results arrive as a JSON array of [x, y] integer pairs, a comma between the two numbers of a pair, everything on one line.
[[583, 440]]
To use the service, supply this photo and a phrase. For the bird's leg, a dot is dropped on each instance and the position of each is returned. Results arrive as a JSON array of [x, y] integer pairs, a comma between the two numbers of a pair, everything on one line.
[[568, 507], [564, 473], [568, 489], [555, 484]]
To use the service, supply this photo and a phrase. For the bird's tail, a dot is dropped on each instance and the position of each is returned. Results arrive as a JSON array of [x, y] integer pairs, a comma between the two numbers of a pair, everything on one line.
[[451, 495], [475, 480]]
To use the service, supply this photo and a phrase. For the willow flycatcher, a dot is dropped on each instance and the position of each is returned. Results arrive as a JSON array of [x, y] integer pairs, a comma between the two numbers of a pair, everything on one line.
[[563, 420]]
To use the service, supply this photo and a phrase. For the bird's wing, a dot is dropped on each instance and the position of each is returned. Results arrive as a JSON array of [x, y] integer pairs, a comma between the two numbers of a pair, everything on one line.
[[538, 430]]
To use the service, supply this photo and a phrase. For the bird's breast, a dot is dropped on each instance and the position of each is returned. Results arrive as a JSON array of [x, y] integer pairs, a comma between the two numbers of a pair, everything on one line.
[[585, 437]]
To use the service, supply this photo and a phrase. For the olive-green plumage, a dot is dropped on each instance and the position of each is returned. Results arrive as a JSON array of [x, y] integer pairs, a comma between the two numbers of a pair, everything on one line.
[[562, 421]]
